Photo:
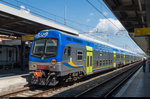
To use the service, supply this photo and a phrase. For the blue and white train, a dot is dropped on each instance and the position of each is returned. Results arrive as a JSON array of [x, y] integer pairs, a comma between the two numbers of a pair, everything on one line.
[[57, 56]]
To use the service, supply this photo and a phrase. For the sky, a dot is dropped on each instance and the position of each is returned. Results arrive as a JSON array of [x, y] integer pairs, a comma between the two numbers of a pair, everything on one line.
[[81, 16]]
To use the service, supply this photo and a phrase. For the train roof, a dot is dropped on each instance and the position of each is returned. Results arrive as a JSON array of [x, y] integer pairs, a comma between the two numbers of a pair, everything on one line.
[[81, 36], [104, 43]]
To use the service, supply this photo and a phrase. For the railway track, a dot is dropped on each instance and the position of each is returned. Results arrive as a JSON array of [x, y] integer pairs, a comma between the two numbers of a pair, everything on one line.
[[102, 86], [69, 90], [36, 91], [33, 92], [110, 87]]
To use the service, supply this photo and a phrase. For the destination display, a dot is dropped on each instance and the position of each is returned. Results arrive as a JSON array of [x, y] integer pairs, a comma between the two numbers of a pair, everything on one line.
[[27, 37], [142, 32]]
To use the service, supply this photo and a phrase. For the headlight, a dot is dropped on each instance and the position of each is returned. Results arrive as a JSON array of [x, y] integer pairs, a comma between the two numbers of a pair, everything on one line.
[[33, 66], [53, 61], [53, 67]]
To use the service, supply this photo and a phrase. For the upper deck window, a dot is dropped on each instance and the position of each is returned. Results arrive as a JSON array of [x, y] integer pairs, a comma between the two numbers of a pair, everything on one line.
[[69, 51], [96, 47], [77, 40], [67, 38], [79, 55], [99, 47]]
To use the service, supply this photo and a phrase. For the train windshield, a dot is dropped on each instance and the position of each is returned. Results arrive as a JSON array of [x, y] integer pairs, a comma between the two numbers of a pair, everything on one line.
[[45, 47]]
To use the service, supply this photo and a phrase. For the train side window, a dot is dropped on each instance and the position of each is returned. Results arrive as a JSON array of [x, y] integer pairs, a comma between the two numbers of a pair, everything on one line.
[[87, 61], [107, 62], [96, 47], [69, 51], [100, 54], [99, 47], [97, 63], [100, 63], [103, 62], [65, 51], [79, 55], [91, 60]]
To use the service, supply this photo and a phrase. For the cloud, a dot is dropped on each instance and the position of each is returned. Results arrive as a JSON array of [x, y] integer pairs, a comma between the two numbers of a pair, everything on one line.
[[91, 14], [105, 25], [88, 20], [105, 13], [108, 32]]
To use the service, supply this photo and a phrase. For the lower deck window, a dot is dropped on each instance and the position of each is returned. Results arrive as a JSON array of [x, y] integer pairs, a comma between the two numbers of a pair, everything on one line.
[[100, 63], [97, 63], [103, 62], [79, 55]]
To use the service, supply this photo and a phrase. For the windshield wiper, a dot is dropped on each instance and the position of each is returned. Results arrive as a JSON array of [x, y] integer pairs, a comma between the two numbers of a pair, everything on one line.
[[36, 55], [50, 55]]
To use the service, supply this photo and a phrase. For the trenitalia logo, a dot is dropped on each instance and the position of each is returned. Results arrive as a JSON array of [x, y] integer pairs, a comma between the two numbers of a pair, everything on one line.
[[41, 35]]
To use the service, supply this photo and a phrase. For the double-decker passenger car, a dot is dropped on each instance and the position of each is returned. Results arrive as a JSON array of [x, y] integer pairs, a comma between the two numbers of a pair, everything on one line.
[[57, 56]]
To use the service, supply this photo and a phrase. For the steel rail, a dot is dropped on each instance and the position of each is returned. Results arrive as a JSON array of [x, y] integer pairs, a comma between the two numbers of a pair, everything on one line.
[[46, 91], [114, 88], [121, 83]]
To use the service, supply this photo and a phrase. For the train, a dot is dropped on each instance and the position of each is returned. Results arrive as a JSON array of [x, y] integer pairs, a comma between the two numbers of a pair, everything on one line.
[[10, 56], [56, 56]]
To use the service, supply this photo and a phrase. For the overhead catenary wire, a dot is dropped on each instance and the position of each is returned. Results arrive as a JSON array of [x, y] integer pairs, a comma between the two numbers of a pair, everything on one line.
[[48, 17], [99, 2], [40, 15], [104, 6], [105, 16], [38, 9], [63, 18], [102, 14], [54, 14], [68, 20]]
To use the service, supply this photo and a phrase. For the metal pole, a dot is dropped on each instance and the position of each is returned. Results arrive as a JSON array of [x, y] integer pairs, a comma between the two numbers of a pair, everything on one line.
[[22, 54], [65, 16], [148, 23]]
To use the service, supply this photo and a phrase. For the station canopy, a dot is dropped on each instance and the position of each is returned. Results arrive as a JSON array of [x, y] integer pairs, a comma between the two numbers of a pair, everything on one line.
[[17, 22], [134, 15]]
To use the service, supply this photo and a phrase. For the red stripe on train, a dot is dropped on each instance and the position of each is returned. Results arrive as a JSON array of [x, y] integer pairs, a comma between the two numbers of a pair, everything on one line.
[[43, 67]]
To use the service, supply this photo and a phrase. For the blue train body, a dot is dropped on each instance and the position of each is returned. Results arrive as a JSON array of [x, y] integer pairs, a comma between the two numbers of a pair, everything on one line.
[[56, 56]]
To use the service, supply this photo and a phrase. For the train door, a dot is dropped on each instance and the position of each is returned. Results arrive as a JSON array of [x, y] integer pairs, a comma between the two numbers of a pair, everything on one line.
[[130, 58], [124, 58], [89, 60], [114, 59]]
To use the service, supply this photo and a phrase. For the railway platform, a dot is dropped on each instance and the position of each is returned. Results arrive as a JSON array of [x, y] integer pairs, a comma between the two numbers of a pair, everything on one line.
[[13, 80], [13, 72], [137, 86]]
